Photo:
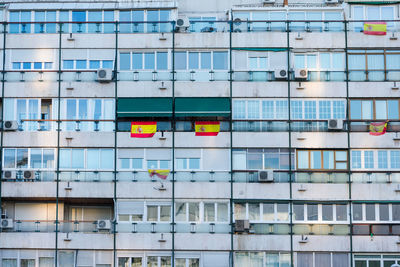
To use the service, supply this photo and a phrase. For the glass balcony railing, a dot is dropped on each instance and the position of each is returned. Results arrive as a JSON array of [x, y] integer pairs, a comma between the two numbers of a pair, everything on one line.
[[86, 176], [376, 229], [144, 227], [321, 229], [193, 26], [46, 226]]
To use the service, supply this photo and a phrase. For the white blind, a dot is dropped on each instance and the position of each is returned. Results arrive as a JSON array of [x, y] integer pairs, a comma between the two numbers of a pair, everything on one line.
[[130, 207], [158, 154], [216, 259]]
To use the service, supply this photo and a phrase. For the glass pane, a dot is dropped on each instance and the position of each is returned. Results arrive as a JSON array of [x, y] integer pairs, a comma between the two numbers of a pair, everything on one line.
[[209, 212], [384, 212], [254, 211], [316, 160], [165, 213], [298, 210], [22, 158], [341, 212], [327, 212], [193, 60], [137, 61], [282, 213], [125, 61], [393, 109], [370, 212], [194, 212], [180, 61], [36, 158], [240, 211], [312, 212], [149, 61], [162, 60], [357, 212], [205, 60], [381, 109], [222, 210], [9, 158], [220, 60], [180, 213], [302, 160], [328, 159]]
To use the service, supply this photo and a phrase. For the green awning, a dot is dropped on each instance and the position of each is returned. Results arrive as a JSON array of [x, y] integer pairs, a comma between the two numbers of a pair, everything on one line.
[[145, 107], [202, 106]]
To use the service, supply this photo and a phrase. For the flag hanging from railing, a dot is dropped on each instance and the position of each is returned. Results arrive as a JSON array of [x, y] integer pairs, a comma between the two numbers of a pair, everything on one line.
[[143, 129], [375, 28], [163, 174], [377, 128], [207, 128]]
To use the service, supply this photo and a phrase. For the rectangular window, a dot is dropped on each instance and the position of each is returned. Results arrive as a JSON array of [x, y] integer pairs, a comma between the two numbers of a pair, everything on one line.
[[205, 58], [382, 159], [180, 60], [220, 60], [298, 210], [149, 61], [325, 159], [368, 159], [312, 212], [125, 61], [356, 159], [370, 212], [162, 60], [395, 159], [137, 61], [327, 212], [357, 212]]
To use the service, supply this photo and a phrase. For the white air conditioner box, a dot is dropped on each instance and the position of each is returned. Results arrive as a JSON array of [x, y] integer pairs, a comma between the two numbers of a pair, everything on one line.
[[335, 124], [103, 224], [104, 75], [300, 74], [7, 223], [281, 74], [182, 23], [266, 175], [10, 125]]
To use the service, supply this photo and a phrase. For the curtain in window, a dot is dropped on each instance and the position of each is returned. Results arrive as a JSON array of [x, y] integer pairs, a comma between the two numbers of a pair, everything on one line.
[[322, 259], [9, 263], [66, 258], [46, 262], [357, 67], [304, 259], [340, 260], [376, 67]]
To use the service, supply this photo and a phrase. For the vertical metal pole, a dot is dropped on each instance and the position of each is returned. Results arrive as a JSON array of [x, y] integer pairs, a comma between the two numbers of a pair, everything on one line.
[[173, 146], [231, 139], [115, 77], [58, 140], [348, 140], [3, 76], [290, 145]]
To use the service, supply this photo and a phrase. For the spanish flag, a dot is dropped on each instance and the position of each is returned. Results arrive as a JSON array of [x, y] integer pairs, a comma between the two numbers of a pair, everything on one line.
[[207, 128], [375, 28], [163, 174], [143, 129], [377, 128]]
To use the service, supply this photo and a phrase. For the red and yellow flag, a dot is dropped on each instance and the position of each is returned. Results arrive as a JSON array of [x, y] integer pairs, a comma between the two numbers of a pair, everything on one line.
[[377, 128], [207, 128], [163, 174], [143, 129], [375, 28]]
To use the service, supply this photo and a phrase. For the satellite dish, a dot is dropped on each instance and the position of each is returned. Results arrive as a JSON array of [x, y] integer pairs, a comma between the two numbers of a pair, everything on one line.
[[395, 265]]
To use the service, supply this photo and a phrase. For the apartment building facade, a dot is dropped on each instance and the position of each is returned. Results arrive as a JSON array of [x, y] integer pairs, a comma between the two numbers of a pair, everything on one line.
[[296, 176]]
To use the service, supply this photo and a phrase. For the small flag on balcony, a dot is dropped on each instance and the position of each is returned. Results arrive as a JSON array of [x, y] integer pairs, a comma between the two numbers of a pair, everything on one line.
[[207, 128], [377, 128], [375, 28], [143, 129], [163, 174]]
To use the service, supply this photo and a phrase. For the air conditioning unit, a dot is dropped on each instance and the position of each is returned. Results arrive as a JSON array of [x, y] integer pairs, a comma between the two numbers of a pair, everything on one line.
[[281, 74], [266, 175], [7, 223], [335, 124], [7, 175], [103, 225], [10, 125], [331, 2], [29, 174], [268, 1], [104, 75], [242, 226], [182, 23], [300, 74]]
